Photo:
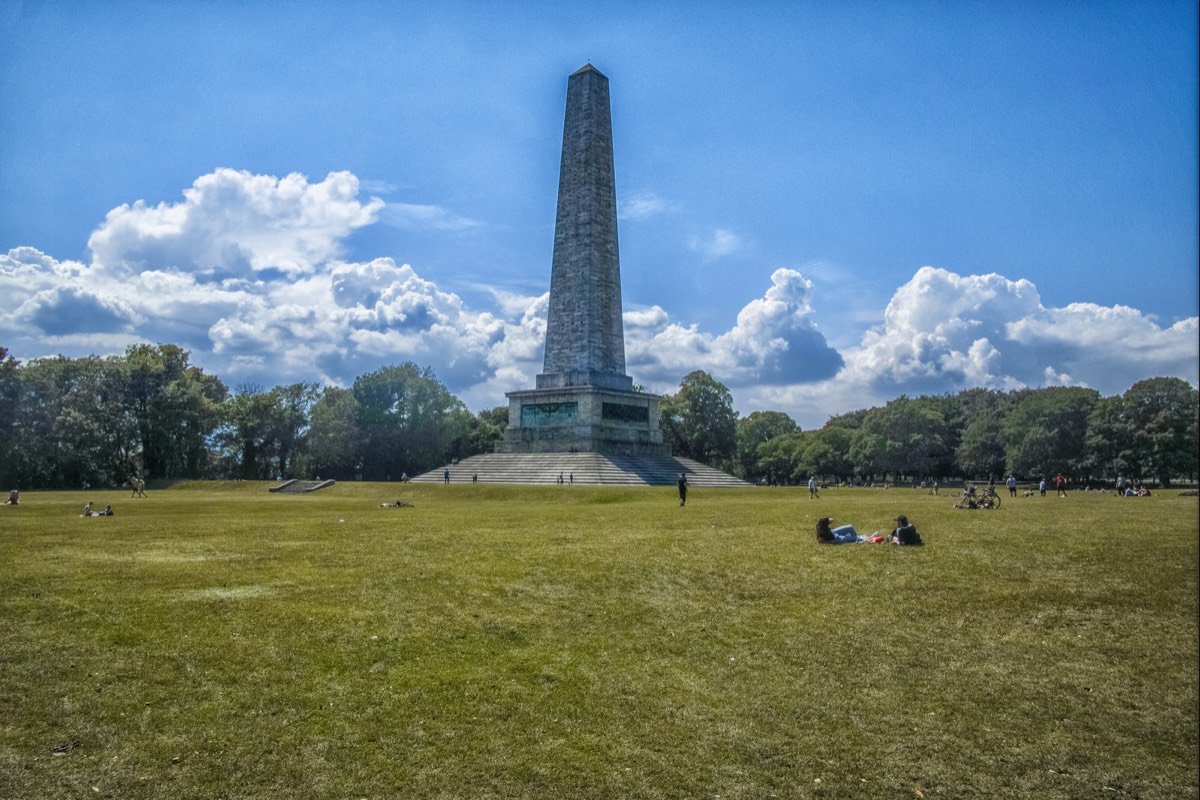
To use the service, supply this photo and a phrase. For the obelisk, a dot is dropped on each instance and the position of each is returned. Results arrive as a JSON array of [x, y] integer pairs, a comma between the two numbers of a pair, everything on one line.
[[585, 340], [583, 400]]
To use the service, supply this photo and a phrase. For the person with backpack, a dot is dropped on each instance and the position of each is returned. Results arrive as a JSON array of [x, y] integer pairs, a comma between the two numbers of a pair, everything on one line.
[[905, 533]]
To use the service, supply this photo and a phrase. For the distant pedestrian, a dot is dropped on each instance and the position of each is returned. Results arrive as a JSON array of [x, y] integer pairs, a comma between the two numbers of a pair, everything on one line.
[[475, 477], [1042, 486], [812, 489], [683, 487], [571, 478], [1120, 485], [446, 475], [1060, 483], [1011, 483]]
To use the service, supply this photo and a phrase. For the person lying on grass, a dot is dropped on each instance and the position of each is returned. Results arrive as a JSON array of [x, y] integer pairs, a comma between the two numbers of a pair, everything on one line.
[[844, 534]]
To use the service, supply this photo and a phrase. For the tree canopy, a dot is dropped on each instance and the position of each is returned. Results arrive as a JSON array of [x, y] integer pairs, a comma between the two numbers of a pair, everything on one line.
[[151, 413]]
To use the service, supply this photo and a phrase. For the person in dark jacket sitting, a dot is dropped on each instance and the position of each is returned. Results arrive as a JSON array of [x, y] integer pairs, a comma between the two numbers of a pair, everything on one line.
[[905, 533]]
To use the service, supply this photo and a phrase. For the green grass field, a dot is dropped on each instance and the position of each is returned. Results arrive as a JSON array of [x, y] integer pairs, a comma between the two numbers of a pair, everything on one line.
[[219, 641]]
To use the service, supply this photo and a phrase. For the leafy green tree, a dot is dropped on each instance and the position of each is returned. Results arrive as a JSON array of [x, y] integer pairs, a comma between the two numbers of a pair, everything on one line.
[[410, 422], [826, 453], [487, 428], [1109, 444], [1046, 431], [852, 420], [778, 458], [905, 437], [753, 432], [335, 442], [175, 407], [980, 449], [262, 432], [290, 424], [10, 393], [1162, 417], [245, 435], [699, 422], [72, 427]]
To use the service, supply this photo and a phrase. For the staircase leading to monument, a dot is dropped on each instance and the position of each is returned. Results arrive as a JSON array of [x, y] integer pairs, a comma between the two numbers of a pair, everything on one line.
[[294, 486], [587, 469]]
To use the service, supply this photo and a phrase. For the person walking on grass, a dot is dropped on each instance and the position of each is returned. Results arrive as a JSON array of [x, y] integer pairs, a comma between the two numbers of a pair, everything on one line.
[[812, 488], [1060, 483], [683, 487]]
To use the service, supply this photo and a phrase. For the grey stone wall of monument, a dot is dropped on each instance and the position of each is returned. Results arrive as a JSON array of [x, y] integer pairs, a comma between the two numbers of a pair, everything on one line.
[[585, 340], [583, 400]]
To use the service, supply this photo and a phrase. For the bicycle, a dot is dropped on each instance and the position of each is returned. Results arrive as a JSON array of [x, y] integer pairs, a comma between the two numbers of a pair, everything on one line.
[[988, 500]]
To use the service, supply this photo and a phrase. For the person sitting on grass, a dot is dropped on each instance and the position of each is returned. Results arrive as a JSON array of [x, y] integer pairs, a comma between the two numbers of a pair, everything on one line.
[[844, 534], [905, 533], [87, 510], [14, 498]]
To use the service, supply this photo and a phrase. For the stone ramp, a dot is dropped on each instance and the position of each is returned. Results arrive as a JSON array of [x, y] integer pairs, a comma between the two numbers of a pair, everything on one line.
[[299, 487], [588, 469]]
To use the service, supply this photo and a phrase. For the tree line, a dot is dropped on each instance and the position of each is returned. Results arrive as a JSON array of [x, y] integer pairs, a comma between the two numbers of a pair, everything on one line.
[[1149, 433], [98, 421]]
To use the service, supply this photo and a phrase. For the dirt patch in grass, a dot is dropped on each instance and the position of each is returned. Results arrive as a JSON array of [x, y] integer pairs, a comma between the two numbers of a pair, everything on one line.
[[227, 593]]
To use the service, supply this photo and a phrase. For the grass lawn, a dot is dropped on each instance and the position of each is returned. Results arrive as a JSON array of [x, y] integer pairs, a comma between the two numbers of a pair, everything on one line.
[[219, 641]]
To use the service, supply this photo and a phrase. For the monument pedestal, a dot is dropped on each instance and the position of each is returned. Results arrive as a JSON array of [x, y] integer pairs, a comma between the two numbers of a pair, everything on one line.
[[583, 401], [582, 419]]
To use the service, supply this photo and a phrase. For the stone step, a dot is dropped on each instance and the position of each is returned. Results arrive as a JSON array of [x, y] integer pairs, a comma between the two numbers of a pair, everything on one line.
[[585, 469], [294, 486]]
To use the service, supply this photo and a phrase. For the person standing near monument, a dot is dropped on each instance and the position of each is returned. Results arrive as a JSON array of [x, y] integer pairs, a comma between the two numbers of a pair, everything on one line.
[[683, 487]]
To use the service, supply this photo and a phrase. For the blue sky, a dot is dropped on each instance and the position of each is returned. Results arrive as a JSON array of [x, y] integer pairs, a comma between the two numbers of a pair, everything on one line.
[[825, 205]]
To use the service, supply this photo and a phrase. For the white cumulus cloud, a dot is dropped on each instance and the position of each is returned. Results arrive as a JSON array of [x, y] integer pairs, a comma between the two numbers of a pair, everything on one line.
[[234, 223], [247, 272], [943, 332], [774, 341]]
